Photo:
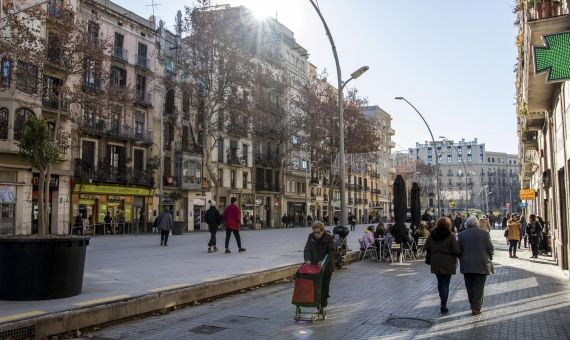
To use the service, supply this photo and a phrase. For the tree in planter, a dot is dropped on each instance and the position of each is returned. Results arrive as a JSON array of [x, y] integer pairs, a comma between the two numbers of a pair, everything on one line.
[[215, 56], [38, 149]]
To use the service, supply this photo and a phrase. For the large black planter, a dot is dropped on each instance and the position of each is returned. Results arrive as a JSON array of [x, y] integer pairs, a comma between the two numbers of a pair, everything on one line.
[[41, 269]]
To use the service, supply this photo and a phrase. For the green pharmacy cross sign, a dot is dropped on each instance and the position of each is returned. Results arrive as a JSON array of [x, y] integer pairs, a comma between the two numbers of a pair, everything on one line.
[[554, 57]]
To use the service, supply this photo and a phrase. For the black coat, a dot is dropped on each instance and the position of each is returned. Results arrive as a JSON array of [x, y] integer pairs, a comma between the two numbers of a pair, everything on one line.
[[444, 251], [213, 216], [316, 249]]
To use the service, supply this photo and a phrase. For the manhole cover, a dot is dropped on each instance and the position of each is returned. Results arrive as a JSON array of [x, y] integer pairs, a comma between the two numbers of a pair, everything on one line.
[[207, 329], [238, 319], [409, 323]]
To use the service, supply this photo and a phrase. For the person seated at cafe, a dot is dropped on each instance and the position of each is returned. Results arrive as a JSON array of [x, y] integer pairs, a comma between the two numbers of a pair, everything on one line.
[[368, 238], [378, 234]]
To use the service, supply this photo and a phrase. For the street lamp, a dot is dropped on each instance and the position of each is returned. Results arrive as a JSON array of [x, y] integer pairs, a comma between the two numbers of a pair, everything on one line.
[[436, 158], [341, 85], [464, 168]]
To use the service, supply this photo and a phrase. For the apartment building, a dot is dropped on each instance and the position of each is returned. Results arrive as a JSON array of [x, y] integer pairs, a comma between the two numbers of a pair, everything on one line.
[[542, 113]]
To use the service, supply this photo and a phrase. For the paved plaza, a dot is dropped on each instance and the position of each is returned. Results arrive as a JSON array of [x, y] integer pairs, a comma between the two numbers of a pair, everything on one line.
[[123, 266], [525, 299]]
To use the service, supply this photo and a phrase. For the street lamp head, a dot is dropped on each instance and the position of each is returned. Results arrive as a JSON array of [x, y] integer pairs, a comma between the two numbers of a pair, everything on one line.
[[399, 98], [359, 72]]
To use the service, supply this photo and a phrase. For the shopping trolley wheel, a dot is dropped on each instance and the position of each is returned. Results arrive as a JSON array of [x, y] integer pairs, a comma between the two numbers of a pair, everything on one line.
[[297, 313], [324, 313]]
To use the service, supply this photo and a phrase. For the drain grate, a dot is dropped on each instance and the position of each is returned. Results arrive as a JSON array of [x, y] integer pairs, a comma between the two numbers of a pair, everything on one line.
[[21, 333], [409, 323], [207, 329], [238, 319]]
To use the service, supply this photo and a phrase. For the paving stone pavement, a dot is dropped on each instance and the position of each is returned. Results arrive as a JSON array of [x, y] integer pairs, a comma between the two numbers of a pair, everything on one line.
[[133, 265], [524, 299]]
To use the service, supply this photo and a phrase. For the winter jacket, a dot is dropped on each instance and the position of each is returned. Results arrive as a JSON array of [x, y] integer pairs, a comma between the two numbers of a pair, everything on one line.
[[165, 221], [368, 239], [484, 224], [514, 231], [444, 251], [232, 217], [476, 251], [400, 233], [213, 217], [316, 249], [534, 229]]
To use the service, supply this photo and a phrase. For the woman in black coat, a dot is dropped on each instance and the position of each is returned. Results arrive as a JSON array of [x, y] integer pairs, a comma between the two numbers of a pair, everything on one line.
[[319, 244]]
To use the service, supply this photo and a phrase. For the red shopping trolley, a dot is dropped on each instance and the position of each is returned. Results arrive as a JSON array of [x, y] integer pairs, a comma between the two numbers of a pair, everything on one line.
[[307, 291]]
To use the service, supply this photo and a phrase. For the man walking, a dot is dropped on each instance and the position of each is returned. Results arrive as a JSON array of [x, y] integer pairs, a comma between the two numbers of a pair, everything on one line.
[[533, 231], [213, 218], [285, 221], [476, 256], [232, 218], [164, 224]]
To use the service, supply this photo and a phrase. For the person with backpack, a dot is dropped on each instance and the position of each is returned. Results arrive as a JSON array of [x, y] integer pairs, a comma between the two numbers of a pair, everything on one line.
[[533, 231], [164, 224], [213, 218]]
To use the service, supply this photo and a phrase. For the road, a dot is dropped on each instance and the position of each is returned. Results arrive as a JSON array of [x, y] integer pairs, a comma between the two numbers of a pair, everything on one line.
[[524, 299]]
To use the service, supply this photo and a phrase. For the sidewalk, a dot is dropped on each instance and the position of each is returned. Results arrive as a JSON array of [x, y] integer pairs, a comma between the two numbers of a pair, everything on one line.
[[125, 266], [524, 299]]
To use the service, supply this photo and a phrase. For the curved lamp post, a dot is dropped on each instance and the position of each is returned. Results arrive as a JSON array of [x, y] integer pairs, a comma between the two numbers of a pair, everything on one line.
[[436, 156], [341, 85]]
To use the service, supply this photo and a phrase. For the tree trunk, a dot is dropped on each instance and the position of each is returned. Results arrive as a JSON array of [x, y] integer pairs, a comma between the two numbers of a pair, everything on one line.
[[207, 155], [281, 189], [46, 201]]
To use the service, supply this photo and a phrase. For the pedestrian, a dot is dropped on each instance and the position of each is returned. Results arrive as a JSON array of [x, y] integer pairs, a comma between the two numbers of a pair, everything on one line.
[[164, 224], [78, 227], [534, 229], [213, 219], [523, 231], [321, 244], [352, 220], [475, 260], [443, 251], [504, 222], [484, 223], [108, 220], [309, 220], [335, 219], [426, 217], [458, 223], [232, 218], [513, 235], [284, 221]]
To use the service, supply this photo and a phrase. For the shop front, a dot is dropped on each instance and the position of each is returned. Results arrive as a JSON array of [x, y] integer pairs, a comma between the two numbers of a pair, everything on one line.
[[53, 206], [129, 208], [7, 209], [296, 211]]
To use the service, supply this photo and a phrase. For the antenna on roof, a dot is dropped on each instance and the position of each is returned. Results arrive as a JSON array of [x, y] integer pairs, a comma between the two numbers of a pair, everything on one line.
[[153, 5]]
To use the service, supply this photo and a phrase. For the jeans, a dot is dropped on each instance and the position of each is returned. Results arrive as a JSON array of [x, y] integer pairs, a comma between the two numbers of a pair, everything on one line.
[[534, 245], [513, 247], [236, 234], [475, 285], [164, 236], [325, 288], [443, 288], [213, 230]]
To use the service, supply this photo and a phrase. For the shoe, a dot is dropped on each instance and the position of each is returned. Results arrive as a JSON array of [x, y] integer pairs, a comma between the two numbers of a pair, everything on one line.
[[161, 243], [166, 245], [515, 257], [210, 250], [475, 311], [241, 250], [228, 251], [444, 310], [215, 249]]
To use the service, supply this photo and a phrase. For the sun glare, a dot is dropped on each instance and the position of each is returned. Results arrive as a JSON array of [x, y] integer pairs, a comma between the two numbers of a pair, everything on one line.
[[261, 9]]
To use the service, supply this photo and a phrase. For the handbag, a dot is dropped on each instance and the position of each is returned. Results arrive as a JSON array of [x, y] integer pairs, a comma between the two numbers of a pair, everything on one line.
[[507, 232]]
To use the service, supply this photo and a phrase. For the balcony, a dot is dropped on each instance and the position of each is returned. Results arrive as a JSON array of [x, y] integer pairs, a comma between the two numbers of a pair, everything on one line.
[[106, 174], [143, 99], [366, 201], [359, 201], [142, 62], [529, 141], [118, 131], [266, 187], [326, 198], [390, 131], [121, 54], [314, 180], [233, 159], [534, 121], [391, 144], [270, 160], [547, 9], [51, 103], [350, 200]]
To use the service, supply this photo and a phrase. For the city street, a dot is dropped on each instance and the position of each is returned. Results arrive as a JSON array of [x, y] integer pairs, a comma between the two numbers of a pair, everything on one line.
[[123, 266], [525, 299]]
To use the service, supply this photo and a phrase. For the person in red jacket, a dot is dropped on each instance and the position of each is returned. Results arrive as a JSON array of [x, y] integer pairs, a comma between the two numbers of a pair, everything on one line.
[[232, 219]]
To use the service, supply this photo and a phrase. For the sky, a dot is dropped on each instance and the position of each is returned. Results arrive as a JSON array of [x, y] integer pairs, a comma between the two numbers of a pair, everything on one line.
[[452, 59]]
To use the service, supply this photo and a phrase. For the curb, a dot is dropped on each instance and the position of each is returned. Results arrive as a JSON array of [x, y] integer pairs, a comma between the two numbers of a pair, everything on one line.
[[66, 321]]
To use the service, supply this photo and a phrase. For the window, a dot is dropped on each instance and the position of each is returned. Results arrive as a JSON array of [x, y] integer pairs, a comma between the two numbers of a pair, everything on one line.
[[245, 154], [186, 104], [449, 154], [138, 160], [438, 153], [139, 122], [119, 77], [26, 78], [169, 102], [141, 87], [233, 178], [88, 155], [429, 151], [221, 177], [469, 158], [118, 45], [6, 73], [20, 122], [93, 32], [460, 154], [304, 164], [244, 180], [91, 76], [115, 156], [3, 123], [220, 150], [54, 51], [142, 55], [51, 92]]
